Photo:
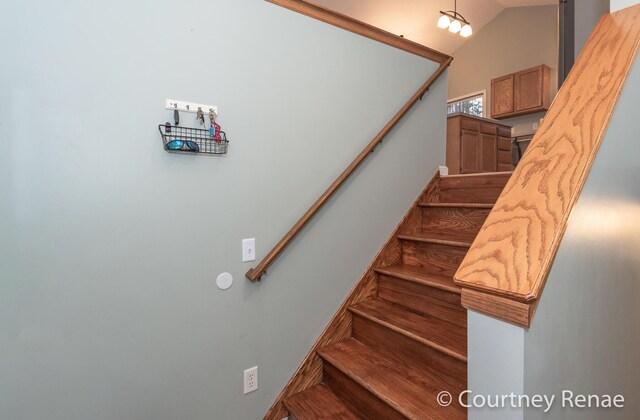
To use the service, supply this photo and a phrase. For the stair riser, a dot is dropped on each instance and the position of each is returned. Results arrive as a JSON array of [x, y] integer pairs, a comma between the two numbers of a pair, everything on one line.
[[364, 403], [423, 299], [472, 189], [464, 223], [406, 350], [406, 287], [317, 402], [438, 259]]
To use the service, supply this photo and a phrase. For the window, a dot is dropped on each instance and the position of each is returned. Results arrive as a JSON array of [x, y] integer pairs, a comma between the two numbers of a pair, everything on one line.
[[472, 104]]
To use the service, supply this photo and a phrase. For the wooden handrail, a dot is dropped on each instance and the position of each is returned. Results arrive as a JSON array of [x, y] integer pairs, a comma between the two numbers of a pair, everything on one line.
[[254, 274], [361, 28], [505, 270]]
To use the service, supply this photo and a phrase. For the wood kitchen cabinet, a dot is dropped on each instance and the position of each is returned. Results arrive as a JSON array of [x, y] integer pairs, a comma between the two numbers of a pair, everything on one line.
[[505, 150], [502, 96], [469, 160], [477, 144], [520, 93]]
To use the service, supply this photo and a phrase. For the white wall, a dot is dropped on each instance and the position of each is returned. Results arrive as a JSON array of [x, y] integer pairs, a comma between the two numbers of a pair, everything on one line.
[[110, 246], [621, 4]]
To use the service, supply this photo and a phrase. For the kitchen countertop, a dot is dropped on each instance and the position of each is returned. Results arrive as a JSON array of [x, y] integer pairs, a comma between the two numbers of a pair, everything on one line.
[[489, 120]]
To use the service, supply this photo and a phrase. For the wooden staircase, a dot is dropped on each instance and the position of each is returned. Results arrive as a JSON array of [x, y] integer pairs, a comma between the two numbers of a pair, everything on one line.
[[407, 340]]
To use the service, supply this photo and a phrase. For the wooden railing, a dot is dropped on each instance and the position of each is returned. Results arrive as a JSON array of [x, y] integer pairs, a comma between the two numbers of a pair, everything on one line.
[[505, 270], [361, 28]]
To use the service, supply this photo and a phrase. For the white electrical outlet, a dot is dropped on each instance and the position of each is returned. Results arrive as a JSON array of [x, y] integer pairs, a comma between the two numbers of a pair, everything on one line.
[[185, 106], [251, 380], [249, 249]]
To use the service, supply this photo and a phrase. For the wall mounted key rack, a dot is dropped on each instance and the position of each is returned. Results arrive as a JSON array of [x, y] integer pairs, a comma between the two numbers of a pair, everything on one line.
[[180, 138], [184, 106]]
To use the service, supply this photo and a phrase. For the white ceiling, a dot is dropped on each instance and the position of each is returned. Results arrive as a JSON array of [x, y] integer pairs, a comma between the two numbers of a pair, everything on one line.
[[416, 19]]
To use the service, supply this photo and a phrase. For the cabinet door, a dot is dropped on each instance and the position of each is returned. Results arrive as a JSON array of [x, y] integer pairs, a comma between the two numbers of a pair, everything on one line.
[[505, 153], [504, 143], [489, 153], [528, 89], [469, 152], [502, 96]]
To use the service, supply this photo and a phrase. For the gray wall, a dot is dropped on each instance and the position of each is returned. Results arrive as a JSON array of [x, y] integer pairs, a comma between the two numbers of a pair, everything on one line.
[[585, 336], [495, 366], [516, 39], [110, 246], [587, 14]]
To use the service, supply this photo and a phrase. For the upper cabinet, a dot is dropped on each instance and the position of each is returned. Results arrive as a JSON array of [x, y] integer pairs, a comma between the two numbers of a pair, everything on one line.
[[520, 93], [502, 95]]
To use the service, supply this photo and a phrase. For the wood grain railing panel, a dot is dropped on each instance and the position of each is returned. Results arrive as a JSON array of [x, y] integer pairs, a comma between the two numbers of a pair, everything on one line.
[[510, 258], [356, 26]]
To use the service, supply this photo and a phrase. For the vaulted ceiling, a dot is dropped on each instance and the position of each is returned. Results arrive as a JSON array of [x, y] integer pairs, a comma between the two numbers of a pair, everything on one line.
[[416, 19]]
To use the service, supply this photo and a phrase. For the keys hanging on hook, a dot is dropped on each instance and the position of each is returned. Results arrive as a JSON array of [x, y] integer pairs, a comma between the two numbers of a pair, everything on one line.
[[176, 116], [212, 120], [200, 116], [214, 130]]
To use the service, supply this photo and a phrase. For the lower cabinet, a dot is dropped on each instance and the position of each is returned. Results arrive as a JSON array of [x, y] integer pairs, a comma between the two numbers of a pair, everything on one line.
[[469, 152], [505, 154], [477, 145], [488, 156]]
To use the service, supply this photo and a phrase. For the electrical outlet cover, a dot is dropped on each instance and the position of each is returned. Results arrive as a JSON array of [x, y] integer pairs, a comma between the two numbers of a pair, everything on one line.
[[251, 380]]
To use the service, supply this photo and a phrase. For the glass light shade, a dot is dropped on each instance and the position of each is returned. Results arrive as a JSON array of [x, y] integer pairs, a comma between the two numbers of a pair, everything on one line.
[[455, 27], [443, 22], [466, 31]]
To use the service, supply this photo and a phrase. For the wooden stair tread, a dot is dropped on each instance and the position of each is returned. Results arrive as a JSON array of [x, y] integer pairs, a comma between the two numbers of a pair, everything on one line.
[[428, 330], [410, 394], [318, 403], [420, 275], [435, 239], [458, 205]]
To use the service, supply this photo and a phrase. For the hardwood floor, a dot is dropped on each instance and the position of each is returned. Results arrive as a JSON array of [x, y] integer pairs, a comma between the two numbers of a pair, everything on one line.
[[405, 341]]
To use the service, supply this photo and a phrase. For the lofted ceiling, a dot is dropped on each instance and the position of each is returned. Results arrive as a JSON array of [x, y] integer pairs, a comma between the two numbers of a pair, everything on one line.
[[416, 19]]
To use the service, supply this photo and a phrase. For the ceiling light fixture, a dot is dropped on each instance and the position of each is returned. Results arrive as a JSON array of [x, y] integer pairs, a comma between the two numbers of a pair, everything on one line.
[[454, 21]]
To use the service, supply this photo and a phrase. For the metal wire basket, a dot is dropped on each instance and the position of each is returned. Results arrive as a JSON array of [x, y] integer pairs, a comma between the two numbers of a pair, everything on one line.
[[177, 139]]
